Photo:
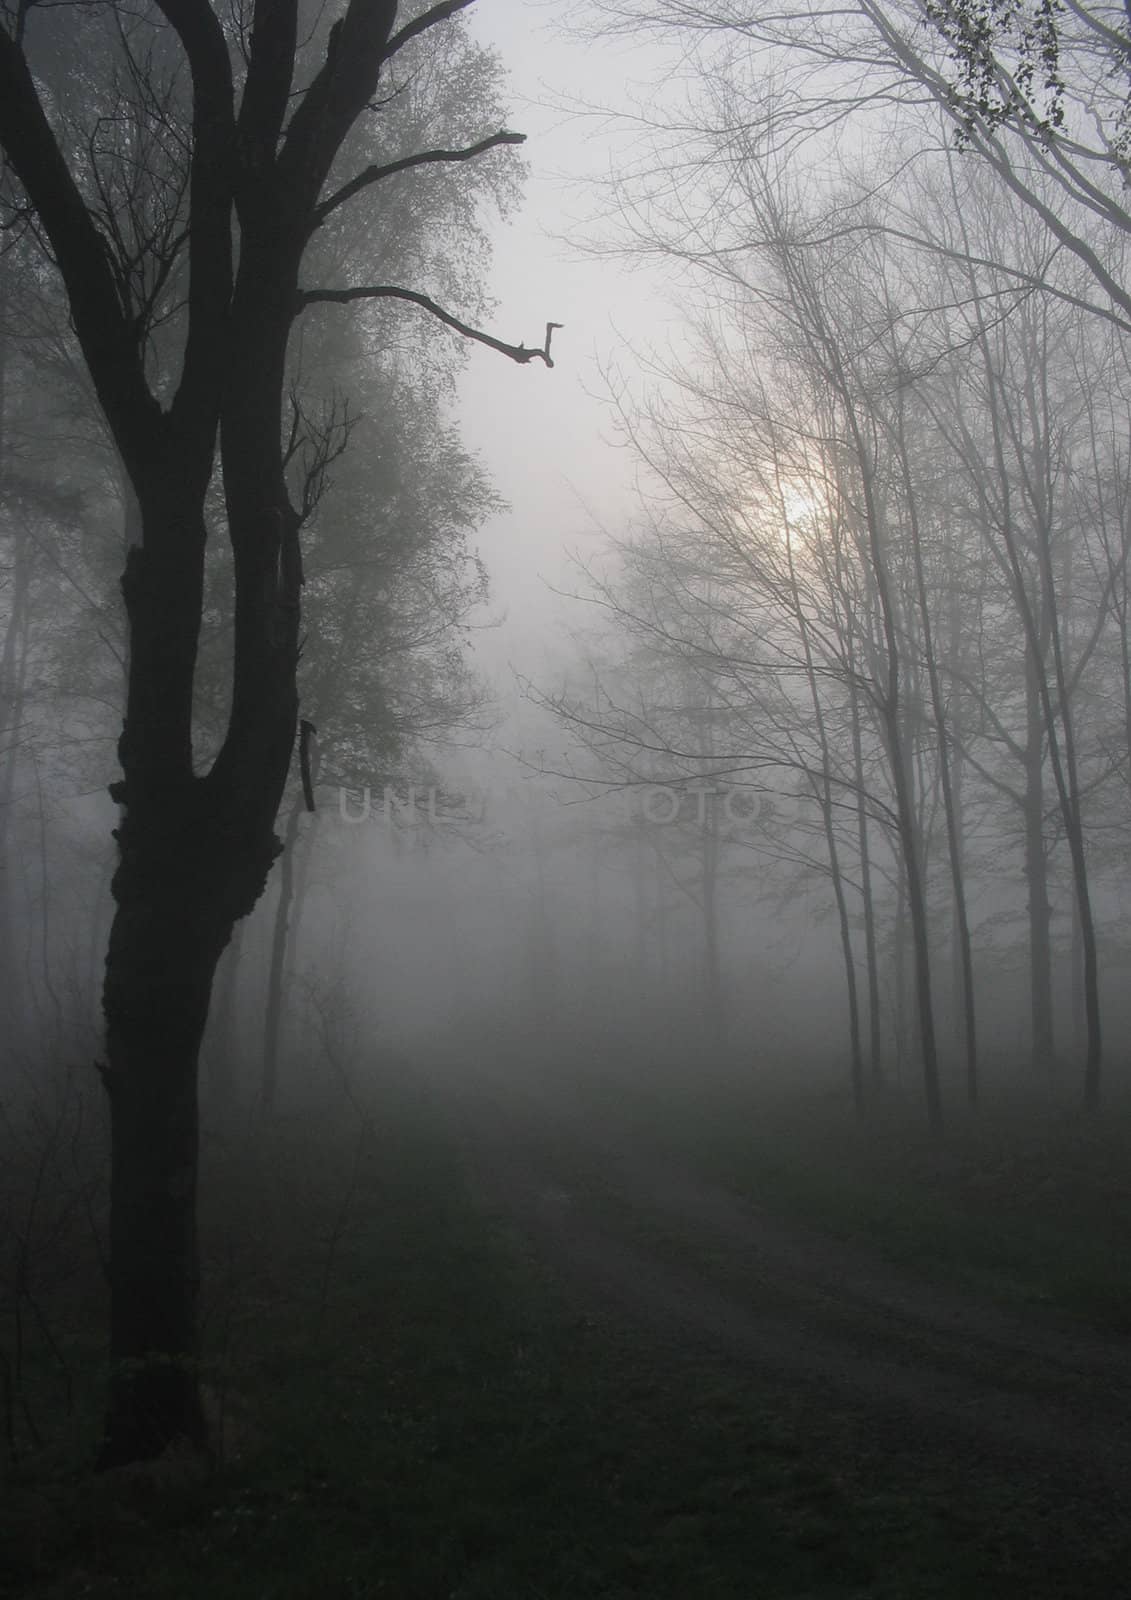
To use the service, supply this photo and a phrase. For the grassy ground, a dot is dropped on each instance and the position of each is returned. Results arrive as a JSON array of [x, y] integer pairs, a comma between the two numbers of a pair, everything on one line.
[[416, 1410], [1022, 1203]]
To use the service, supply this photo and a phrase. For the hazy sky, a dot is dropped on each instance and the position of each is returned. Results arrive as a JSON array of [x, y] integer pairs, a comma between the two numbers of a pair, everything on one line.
[[547, 436]]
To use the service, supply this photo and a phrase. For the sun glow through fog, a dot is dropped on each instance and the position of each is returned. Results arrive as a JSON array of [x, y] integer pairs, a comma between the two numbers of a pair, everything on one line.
[[798, 509]]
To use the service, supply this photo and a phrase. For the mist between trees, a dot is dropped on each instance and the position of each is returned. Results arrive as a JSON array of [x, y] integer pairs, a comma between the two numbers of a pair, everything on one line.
[[657, 803], [845, 707], [881, 559]]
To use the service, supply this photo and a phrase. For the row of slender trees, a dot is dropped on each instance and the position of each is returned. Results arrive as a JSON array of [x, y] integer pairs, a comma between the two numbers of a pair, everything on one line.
[[881, 568]]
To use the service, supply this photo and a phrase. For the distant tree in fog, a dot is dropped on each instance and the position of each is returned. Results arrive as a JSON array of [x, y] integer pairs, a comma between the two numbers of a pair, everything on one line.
[[879, 455], [390, 584]]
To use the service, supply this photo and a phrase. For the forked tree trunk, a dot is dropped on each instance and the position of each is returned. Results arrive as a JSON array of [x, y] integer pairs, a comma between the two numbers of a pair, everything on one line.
[[194, 854], [195, 851]]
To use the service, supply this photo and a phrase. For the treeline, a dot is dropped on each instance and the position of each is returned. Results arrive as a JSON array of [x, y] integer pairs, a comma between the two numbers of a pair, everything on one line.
[[880, 567]]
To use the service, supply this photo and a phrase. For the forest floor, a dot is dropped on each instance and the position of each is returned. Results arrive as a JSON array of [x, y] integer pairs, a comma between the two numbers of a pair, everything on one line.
[[588, 1342], [963, 1337]]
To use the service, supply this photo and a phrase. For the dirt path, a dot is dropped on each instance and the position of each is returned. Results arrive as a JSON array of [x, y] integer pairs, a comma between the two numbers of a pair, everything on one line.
[[688, 1262]]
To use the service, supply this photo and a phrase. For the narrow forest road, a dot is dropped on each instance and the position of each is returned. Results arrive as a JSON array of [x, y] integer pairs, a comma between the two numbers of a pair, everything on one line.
[[1018, 1397]]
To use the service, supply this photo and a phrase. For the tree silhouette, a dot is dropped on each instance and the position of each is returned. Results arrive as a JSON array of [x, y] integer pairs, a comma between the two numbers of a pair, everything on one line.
[[176, 188]]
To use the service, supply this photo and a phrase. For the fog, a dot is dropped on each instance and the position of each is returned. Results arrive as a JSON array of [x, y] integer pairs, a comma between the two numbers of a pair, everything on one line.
[[542, 883], [565, 767]]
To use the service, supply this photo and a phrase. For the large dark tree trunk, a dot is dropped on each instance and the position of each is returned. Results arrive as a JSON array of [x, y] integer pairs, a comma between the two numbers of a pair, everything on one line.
[[194, 855], [175, 913], [158, 983]]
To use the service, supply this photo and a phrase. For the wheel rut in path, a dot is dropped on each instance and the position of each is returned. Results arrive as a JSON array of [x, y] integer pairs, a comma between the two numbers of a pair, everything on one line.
[[687, 1262]]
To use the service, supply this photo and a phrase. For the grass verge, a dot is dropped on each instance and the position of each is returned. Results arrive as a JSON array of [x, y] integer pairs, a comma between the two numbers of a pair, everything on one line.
[[424, 1415], [1025, 1204]]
